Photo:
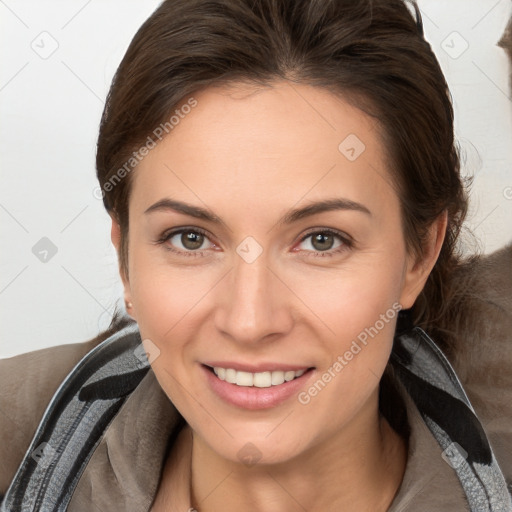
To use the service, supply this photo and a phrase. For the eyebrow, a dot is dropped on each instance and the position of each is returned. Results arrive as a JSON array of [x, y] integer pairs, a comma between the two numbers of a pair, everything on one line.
[[290, 217]]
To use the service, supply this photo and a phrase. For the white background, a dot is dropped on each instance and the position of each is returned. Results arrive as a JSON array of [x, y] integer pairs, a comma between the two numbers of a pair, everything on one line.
[[50, 110]]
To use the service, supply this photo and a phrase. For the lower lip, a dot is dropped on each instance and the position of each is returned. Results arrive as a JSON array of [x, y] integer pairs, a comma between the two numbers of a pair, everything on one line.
[[253, 397]]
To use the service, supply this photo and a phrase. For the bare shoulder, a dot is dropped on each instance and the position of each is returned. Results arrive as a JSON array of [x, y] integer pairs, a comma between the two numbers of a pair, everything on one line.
[[27, 384]]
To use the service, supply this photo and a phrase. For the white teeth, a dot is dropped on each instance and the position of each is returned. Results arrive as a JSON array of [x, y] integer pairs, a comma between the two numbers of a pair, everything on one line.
[[259, 380], [276, 378], [262, 380], [289, 376], [230, 375], [244, 379]]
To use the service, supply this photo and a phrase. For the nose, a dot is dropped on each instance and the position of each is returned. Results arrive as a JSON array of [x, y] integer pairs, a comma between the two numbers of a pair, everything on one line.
[[253, 303]]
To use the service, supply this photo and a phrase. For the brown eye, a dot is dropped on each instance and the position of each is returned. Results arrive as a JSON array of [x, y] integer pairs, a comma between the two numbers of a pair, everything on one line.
[[191, 240], [322, 241], [325, 242], [186, 241]]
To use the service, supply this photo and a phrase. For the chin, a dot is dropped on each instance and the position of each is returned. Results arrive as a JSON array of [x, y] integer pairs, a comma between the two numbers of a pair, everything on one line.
[[259, 449]]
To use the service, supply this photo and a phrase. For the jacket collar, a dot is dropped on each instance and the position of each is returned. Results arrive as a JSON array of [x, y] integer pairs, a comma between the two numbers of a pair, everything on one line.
[[445, 436], [111, 409], [124, 471]]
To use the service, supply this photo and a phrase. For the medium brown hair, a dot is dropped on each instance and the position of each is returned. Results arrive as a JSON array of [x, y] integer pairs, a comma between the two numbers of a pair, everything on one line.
[[371, 52]]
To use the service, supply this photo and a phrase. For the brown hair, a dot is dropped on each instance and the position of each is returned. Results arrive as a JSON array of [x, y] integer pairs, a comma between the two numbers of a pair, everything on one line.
[[372, 52]]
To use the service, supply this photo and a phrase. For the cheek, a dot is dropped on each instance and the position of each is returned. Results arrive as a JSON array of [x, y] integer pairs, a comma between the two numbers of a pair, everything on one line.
[[352, 297], [360, 318], [358, 307], [157, 295], [162, 291], [164, 299]]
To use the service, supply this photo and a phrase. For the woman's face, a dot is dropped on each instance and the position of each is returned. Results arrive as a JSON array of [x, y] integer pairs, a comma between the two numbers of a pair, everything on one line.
[[267, 282]]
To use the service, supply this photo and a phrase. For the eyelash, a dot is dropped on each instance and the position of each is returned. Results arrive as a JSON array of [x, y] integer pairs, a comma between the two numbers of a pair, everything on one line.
[[347, 243]]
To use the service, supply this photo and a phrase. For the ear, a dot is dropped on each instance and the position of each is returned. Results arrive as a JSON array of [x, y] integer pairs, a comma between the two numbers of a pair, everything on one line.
[[115, 236], [418, 268]]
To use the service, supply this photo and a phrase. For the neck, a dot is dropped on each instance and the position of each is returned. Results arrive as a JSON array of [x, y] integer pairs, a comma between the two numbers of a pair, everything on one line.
[[359, 468]]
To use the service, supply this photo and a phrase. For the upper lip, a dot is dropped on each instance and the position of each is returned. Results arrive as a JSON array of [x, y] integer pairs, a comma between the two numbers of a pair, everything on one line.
[[257, 368]]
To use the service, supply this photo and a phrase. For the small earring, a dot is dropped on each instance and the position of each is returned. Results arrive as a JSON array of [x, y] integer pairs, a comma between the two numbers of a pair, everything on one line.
[[129, 305]]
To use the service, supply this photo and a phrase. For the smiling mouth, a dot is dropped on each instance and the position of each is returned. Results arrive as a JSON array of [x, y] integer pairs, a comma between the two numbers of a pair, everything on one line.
[[263, 379]]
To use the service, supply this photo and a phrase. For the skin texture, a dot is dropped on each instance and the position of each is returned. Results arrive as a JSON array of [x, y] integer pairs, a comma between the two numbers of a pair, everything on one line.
[[250, 155]]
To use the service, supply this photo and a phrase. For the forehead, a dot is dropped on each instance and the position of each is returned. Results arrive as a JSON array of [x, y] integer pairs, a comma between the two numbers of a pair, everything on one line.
[[255, 144]]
